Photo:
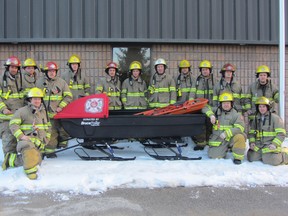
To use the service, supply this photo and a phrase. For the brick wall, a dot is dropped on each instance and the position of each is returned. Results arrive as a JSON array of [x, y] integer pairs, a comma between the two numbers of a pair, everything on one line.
[[95, 57]]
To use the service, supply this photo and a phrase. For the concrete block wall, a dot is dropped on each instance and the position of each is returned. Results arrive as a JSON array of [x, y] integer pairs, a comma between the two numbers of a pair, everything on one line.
[[94, 58]]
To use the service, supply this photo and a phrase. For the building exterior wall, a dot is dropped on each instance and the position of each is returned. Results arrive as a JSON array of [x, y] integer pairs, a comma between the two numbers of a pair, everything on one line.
[[153, 21], [94, 58]]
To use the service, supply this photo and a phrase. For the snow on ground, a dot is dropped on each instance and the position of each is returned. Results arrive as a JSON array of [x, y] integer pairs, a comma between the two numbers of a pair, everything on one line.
[[68, 173]]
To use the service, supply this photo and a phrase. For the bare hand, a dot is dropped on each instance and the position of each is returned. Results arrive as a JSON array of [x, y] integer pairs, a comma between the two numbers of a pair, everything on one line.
[[213, 119], [59, 109], [26, 138], [7, 111], [223, 135], [272, 147]]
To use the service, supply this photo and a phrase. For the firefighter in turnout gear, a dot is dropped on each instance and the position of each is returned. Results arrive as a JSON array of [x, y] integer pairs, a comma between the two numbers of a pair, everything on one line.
[[228, 83], [32, 129], [261, 87], [266, 136], [76, 79], [204, 89], [12, 99], [134, 88], [228, 129], [111, 86], [57, 95], [185, 82], [162, 87], [29, 75]]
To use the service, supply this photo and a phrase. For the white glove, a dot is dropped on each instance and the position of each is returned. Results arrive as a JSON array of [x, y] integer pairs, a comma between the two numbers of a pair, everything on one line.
[[223, 135], [213, 119], [272, 147]]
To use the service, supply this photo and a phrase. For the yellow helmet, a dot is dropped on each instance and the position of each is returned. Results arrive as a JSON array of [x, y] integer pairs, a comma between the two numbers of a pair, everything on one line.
[[226, 96], [35, 92], [184, 64], [205, 64], [135, 65], [263, 69], [74, 59], [29, 62], [262, 100]]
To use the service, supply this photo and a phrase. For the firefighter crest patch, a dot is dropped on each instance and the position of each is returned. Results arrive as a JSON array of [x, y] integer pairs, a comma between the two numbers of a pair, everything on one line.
[[94, 105]]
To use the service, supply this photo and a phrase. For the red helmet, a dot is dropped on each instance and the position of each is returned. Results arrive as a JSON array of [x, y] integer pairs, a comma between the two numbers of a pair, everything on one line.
[[111, 65], [228, 67], [13, 61], [51, 66]]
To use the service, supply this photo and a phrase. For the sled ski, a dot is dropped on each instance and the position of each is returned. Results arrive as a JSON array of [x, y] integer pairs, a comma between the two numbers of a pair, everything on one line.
[[158, 142], [81, 153], [94, 145], [100, 145], [177, 155]]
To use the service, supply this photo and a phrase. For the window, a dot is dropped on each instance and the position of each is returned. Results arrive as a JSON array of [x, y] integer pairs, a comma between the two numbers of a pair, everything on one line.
[[123, 56]]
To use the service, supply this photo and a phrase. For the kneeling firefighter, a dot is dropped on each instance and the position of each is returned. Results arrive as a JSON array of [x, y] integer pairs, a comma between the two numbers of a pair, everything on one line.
[[228, 129], [32, 129]]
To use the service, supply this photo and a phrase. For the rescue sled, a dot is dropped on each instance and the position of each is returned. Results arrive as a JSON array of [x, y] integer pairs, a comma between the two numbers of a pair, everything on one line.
[[88, 118]]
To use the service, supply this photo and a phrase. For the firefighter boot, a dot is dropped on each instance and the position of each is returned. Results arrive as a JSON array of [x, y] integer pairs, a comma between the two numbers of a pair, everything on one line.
[[62, 144], [238, 148], [31, 158], [285, 150], [9, 160]]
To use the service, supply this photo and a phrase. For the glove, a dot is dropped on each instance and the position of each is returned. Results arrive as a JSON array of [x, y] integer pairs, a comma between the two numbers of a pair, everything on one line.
[[272, 147], [213, 119], [223, 135], [249, 112]]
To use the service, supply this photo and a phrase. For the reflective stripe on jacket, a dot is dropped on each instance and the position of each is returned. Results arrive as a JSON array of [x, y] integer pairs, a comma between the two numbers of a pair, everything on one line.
[[133, 94], [112, 88], [162, 90], [267, 130], [78, 84]]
